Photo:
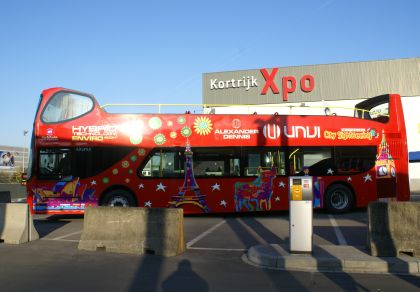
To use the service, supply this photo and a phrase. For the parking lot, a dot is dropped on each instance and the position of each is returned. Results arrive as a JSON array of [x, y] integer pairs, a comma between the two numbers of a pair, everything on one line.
[[212, 261], [231, 233], [234, 232]]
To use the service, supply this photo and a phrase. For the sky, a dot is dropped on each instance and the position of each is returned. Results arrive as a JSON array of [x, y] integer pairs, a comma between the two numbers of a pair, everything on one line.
[[127, 51]]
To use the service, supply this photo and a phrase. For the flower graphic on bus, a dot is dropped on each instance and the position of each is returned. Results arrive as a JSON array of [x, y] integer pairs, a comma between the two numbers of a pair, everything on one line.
[[159, 139], [155, 123], [181, 120], [203, 126], [186, 132]]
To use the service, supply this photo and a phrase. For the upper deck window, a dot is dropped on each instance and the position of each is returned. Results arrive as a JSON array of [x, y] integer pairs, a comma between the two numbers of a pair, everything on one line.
[[380, 113], [375, 108], [65, 106]]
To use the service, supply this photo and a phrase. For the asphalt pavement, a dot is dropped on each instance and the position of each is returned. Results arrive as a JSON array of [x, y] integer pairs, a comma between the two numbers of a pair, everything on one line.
[[224, 253], [332, 258]]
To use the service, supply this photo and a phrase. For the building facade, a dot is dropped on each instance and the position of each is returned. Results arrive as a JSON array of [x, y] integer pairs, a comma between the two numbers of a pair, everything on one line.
[[321, 89]]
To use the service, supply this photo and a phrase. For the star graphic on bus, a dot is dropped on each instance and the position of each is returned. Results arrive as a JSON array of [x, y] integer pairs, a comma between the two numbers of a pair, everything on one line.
[[160, 187], [330, 171], [277, 199], [223, 203], [367, 177], [214, 187], [282, 184], [141, 186], [93, 182], [148, 204], [349, 179]]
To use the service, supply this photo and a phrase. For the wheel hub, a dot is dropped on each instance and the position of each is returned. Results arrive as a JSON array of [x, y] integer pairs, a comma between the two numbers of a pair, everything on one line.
[[118, 201], [339, 200]]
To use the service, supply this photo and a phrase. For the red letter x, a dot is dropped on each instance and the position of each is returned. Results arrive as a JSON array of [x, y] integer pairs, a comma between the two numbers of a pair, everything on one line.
[[269, 78]]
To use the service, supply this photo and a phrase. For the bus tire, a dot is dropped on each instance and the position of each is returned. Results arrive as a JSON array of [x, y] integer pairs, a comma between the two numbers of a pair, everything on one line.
[[338, 199], [118, 198]]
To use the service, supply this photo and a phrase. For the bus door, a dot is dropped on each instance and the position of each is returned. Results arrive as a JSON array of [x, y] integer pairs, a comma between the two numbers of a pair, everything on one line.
[[54, 176], [386, 180]]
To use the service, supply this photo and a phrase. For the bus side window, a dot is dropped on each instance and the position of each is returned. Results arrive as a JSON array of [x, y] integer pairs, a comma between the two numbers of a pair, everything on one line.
[[163, 164], [211, 161], [236, 170], [351, 160], [265, 158], [317, 159], [147, 170], [156, 165], [254, 162]]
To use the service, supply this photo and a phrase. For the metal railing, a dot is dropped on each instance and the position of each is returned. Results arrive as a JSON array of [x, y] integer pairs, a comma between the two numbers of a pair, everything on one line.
[[251, 108]]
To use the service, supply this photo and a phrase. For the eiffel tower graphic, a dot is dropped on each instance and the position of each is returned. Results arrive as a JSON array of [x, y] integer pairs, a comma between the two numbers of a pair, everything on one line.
[[189, 193]]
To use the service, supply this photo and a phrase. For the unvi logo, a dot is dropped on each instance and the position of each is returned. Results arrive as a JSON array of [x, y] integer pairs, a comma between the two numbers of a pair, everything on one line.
[[271, 131]]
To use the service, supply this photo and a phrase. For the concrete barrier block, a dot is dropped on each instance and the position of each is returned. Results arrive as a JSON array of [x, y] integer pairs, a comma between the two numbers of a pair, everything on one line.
[[5, 197], [393, 228], [16, 224], [157, 231]]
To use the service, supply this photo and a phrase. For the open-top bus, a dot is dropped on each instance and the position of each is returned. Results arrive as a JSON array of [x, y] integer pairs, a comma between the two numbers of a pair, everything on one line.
[[81, 155]]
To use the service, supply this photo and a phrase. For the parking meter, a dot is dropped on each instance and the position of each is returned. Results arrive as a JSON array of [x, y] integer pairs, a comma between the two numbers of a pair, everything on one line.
[[300, 214]]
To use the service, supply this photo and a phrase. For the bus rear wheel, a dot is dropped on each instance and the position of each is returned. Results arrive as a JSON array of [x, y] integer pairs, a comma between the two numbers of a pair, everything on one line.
[[339, 199], [119, 198]]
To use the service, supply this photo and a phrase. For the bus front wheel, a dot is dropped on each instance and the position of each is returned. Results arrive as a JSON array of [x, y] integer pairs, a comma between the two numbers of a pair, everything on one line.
[[338, 199], [119, 198]]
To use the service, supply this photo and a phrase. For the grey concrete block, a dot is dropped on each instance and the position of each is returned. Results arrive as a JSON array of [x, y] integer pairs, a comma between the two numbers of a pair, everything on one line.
[[157, 231], [394, 228], [16, 224]]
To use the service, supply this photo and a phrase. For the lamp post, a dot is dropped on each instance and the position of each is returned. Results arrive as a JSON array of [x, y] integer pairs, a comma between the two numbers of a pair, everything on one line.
[[25, 132]]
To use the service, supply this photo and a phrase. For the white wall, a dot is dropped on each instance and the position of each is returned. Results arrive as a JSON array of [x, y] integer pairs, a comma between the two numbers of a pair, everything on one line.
[[411, 107]]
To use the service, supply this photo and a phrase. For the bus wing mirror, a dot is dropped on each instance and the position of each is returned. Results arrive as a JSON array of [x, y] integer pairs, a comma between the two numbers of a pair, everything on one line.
[[23, 178]]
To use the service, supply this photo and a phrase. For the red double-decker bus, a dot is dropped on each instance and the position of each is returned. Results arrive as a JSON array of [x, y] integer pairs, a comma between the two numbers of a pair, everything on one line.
[[81, 155]]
